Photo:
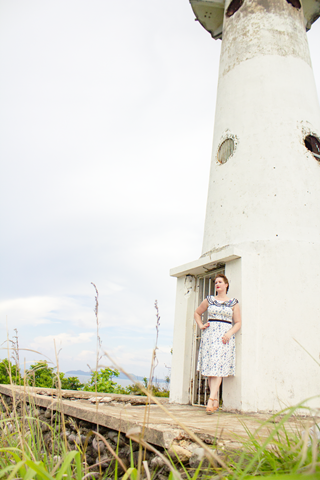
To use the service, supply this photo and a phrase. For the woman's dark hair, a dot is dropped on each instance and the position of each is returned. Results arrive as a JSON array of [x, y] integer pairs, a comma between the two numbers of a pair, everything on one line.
[[224, 278]]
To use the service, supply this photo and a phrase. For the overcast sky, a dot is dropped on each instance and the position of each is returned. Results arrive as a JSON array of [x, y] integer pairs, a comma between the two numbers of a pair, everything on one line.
[[106, 122]]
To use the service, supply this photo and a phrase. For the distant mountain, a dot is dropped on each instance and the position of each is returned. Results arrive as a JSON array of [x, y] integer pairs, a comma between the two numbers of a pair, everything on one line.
[[78, 372], [121, 375]]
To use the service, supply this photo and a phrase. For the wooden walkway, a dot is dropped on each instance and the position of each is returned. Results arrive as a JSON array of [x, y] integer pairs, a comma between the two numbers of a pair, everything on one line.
[[165, 423]]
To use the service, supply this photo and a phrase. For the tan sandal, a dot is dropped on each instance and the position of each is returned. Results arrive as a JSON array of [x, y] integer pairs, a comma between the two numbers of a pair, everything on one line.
[[211, 410]]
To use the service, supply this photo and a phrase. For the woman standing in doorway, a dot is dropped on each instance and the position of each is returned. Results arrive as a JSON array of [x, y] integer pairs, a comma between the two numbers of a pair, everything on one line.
[[217, 348]]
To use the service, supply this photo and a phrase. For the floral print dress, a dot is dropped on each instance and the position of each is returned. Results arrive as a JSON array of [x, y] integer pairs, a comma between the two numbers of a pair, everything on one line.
[[217, 359]]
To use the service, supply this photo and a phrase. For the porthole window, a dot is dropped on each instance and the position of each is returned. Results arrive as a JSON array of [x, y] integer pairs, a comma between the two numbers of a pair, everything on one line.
[[313, 144], [295, 3], [225, 150], [234, 6]]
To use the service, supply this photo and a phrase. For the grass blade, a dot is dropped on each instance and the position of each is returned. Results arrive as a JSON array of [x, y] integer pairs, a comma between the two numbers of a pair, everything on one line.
[[39, 469], [67, 463], [130, 472]]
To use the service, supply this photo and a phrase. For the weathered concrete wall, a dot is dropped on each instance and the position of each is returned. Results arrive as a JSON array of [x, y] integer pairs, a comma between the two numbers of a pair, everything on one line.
[[232, 386], [266, 199], [268, 189], [182, 340], [263, 27]]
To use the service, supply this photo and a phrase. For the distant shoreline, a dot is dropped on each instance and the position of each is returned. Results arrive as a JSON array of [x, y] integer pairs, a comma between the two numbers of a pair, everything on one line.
[[121, 376]]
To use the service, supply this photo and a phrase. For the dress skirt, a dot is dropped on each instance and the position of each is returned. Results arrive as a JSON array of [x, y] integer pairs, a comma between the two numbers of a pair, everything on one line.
[[216, 359]]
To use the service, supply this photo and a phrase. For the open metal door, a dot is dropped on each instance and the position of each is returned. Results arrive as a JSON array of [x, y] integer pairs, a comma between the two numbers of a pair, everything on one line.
[[199, 385]]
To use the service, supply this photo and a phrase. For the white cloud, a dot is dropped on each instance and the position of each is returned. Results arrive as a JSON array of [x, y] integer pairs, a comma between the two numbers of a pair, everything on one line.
[[86, 357], [62, 340], [37, 310], [105, 137]]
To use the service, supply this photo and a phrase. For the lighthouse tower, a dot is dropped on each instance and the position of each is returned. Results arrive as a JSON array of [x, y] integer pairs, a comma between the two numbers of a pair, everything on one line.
[[262, 224]]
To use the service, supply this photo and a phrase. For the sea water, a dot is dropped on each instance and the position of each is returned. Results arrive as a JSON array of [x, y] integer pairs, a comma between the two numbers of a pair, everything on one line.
[[124, 382]]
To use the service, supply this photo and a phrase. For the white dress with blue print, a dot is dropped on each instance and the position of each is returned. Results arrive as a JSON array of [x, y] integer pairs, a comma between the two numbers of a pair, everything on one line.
[[217, 359]]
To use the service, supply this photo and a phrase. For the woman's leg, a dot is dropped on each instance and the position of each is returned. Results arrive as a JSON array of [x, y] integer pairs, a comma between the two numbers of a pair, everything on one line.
[[214, 384]]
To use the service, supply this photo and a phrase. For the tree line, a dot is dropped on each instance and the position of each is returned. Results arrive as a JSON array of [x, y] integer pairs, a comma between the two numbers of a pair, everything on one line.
[[40, 374]]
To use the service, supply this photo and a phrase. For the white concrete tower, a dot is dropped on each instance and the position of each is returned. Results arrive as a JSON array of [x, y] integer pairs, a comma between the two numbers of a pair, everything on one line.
[[263, 211]]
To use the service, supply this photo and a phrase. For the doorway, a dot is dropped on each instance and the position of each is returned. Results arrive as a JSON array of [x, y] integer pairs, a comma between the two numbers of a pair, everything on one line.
[[199, 387]]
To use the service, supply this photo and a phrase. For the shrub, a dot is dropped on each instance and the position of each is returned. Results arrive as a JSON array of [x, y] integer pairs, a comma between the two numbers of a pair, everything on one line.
[[102, 381], [5, 367], [41, 375]]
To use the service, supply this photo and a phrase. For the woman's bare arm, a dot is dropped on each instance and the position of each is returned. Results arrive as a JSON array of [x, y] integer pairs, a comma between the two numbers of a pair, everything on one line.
[[237, 324], [199, 311]]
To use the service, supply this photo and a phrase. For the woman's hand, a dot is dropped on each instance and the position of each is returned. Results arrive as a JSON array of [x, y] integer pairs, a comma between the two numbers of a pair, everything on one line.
[[204, 326], [237, 324], [226, 337]]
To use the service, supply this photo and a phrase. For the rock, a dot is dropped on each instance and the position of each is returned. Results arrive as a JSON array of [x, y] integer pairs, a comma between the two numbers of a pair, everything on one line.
[[106, 400], [126, 451], [162, 477], [135, 446], [116, 438], [47, 438], [9, 427], [83, 438], [95, 399], [74, 439], [90, 459], [123, 452], [183, 454], [85, 434], [43, 418], [48, 413], [72, 424], [90, 451], [44, 427], [135, 456], [208, 439], [95, 444], [157, 462], [197, 457], [192, 447], [84, 430], [65, 434], [95, 475], [104, 461], [184, 443]]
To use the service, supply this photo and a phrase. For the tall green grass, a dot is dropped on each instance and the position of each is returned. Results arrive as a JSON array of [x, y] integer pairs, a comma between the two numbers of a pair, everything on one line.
[[34, 449], [290, 451]]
